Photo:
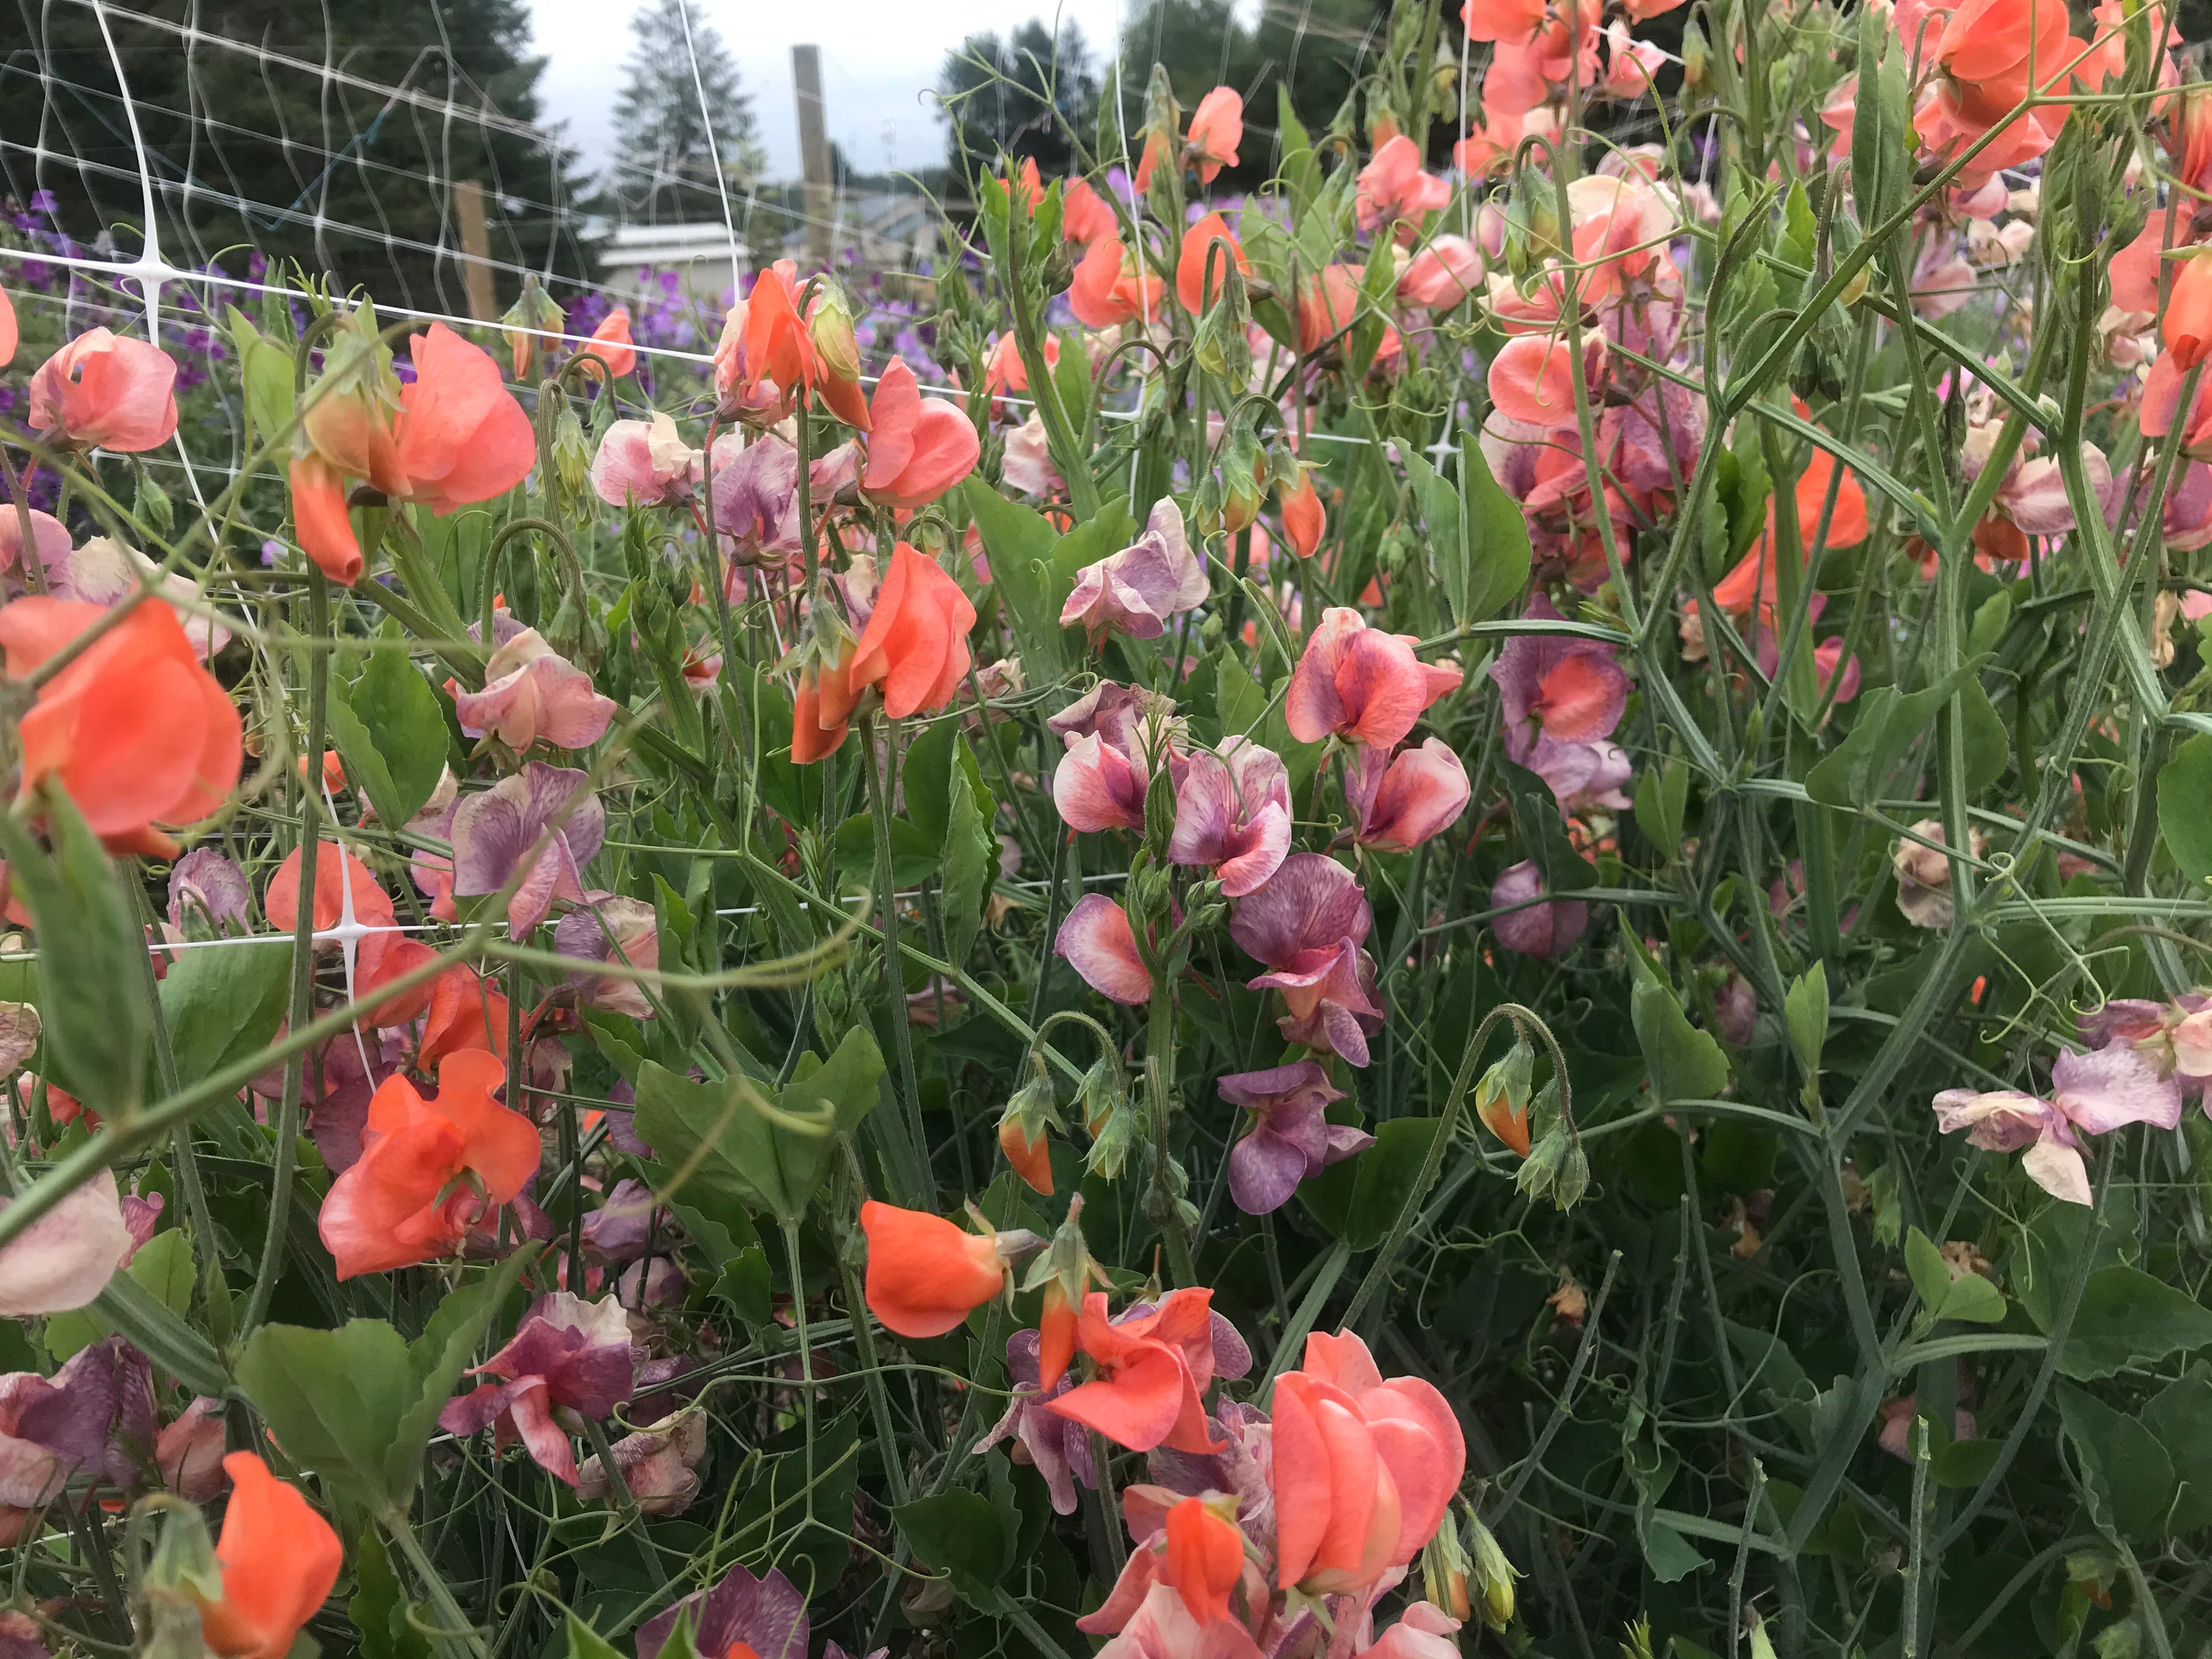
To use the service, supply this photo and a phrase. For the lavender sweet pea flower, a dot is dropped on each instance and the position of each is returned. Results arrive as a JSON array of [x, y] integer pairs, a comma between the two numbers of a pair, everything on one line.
[[2099, 1091], [2092, 1094], [1136, 591], [1058, 1446], [1129, 717], [1307, 925], [65, 1258], [1233, 812], [755, 492], [1548, 930], [568, 1353], [768, 1615], [1289, 1138], [495, 831], [204, 883], [636, 929]]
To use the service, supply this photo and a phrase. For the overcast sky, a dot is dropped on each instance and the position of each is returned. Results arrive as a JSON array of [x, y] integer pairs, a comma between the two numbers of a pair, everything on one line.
[[879, 56]]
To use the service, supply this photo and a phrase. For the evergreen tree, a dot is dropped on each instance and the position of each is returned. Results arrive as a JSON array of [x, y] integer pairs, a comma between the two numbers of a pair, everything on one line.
[[1011, 96], [664, 166], [252, 144]]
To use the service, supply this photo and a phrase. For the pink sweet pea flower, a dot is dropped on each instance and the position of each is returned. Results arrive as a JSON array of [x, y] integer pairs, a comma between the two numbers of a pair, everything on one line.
[[1096, 786], [65, 1258], [1307, 925], [1233, 812], [1554, 686], [1442, 274], [1361, 684], [48, 534], [1404, 799], [642, 462], [1100, 945], [531, 692], [658, 1464], [1532, 379], [1424, 1631], [610, 343], [2092, 1094], [104, 391], [1138, 589], [1289, 1139], [919, 447], [568, 1354], [583, 934], [1393, 186], [496, 830], [189, 1452], [1548, 930]]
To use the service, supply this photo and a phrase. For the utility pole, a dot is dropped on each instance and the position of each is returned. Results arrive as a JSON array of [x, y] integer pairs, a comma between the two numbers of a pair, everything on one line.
[[476, 250], [813, 151]]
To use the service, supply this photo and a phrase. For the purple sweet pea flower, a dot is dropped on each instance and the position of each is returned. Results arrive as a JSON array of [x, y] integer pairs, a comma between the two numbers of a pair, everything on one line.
[[636, 929], [623, 1226], [1307, 925], [1136, 591], [496, 830], [1233, 812], [1290, 1139], [94, 1416], [568, 1354], [204, 883], [768, 1615], [1058, 1446], [1548, 930]]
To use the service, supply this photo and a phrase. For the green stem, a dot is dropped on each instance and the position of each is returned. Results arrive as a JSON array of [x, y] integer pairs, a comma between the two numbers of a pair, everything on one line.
[[456, 1635], [880, 785]]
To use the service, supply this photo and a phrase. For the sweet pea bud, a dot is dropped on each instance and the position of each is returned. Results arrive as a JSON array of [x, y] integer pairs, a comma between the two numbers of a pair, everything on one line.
[[1444, 1569], [183, 1563], [1241, 490], [1501, 1099], [1113, 1137], [1638, 1644], [1159, 811], [1066, 1258], [572, 456], [831, 327], [152, 508], [1493, 1576], [1206, 505], [1163, 114], [533, 312], [1697, 59]]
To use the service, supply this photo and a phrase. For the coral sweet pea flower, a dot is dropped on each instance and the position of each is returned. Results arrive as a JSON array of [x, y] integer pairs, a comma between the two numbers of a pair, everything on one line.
[[1085, 217], [1364, 1468], [1153, 1366], [926, 1274], [430, 1169], [1205, 1555], [610, 343], [1198, 244], [1112, 286], [1502, 20], [104, 391], [2186, 327], [1217, 128], [321, 521], [465, 1016], [461, 436], [1404, 799], [1361, 684], [918, 447], [1394, 186], [916, 644], [1100, 945], [135, 729], [780, 356], [279, 1560], [1306, 521]]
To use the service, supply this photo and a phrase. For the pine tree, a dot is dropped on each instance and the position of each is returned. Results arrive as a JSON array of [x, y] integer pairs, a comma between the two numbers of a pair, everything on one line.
[[664, 166]]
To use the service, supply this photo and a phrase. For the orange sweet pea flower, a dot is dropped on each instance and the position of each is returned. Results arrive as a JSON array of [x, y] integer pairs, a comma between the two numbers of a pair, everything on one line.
[[135, 729], [1752, 580], [1111, 287], [778, 352], [462, 437], [1031, 1158], [1057, 1327], [1306, 521], [1217, 128], [916, 644], [822, 709], [465, 1016], [430, 1169], [279, 1560], [1152, 1370], [371, 906], [1084, 215], [610, 343], [1205, 1557], [926, 1274], [1190, 270], [321, 521]]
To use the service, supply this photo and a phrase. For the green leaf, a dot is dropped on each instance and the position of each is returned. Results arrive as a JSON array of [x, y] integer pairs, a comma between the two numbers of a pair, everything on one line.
[[1378, 284], [357, 1404], [1801, 233], [2180, 1417], [1543, 832], [265, 368], [163, 1266], [1387, 1178], [958, 1534], [1669, 1557], [333, 1400], [1744, 488], [91, 958], [971, 859], [1986, 745], [379, 1605], [1018, 542], [770, 1156], [1856, 770], [1931, 1274], [393, 706], [2184, 791], [2129, 1475], [1438, 503], [914, 855], [2128, 1318], [222, 1005], [1685, 1062], [1498, 549], [585, 1643], [1237, 697], [1662, 795], [1805, 1011]]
